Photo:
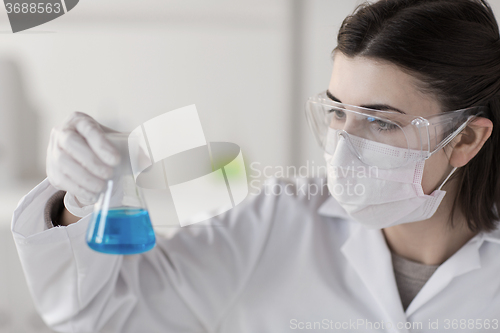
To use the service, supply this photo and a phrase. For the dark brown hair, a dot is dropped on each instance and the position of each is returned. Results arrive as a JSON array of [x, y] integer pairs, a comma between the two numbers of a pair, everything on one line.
[[453, 47]]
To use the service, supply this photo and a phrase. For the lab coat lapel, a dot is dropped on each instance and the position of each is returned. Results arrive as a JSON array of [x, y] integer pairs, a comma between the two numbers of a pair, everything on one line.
[[367, 252], [464, 260]]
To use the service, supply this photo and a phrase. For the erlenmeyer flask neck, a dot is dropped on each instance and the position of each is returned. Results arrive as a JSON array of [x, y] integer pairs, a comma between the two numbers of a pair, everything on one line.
[[120, 142]]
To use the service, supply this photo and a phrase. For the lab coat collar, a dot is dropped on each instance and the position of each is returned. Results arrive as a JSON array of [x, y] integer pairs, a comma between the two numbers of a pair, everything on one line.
[[465, 260], [367, 251], [369, 255], [332, 208], [493, 236]]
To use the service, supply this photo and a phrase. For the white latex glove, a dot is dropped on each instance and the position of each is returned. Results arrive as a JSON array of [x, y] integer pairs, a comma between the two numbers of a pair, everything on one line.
[[79, 160]]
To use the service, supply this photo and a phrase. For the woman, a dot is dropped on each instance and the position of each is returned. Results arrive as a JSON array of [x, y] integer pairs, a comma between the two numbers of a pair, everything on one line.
[[407, 241]]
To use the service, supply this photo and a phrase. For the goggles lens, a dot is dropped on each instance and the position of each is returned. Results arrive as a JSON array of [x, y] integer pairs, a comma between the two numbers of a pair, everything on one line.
[[386, 139], [368, 126], [375, 140]]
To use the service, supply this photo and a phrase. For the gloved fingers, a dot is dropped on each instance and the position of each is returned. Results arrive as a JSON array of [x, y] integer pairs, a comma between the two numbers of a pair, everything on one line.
[[74, 145], [81, 176], [94, 135], [84, 196]]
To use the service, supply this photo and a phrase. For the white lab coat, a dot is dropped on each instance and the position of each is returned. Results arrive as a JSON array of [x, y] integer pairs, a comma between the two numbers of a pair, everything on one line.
[[275, 263]]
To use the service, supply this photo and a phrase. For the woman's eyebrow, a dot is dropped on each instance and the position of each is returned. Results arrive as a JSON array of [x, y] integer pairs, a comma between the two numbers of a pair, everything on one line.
[[382, 107], [333, 98]]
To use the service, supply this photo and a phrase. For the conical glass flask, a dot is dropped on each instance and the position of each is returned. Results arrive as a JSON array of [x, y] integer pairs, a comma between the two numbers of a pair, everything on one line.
[[120, 223]]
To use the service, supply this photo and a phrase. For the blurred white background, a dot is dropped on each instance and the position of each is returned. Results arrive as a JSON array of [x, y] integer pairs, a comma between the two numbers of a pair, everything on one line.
[[249, 67]]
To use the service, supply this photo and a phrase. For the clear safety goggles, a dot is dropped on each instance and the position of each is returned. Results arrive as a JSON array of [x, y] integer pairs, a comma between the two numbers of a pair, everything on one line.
[[400, 136]]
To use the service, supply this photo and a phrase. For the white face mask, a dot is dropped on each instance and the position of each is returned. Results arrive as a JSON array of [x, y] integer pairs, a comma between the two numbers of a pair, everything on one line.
[[378, 198]]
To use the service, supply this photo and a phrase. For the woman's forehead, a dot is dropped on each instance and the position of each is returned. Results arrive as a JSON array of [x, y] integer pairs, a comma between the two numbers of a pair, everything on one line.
[[366, 81]]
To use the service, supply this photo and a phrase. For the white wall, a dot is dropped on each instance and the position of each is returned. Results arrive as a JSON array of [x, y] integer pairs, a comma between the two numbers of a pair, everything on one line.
[[124, 65]]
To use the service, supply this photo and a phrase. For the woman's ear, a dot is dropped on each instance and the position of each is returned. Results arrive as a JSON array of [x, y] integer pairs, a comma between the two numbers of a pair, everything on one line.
[[470, 141]]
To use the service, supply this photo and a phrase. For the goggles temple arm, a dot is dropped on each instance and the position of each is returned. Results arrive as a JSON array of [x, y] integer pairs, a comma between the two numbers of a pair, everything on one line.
[[452, 136]]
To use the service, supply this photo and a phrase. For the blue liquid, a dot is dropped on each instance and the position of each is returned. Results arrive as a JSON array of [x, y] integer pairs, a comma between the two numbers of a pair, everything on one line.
[[121, 231]]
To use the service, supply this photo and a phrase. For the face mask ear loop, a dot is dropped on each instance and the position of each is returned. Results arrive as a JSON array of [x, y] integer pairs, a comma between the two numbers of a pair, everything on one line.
[[452, 171]]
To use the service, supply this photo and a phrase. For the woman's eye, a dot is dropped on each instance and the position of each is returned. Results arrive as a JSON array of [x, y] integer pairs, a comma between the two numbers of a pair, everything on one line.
[[382, 125], [339, 114], [385, 126]]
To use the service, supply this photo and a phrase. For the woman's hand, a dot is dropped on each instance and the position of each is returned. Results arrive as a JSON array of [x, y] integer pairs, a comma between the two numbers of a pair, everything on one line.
[[80, 158]]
